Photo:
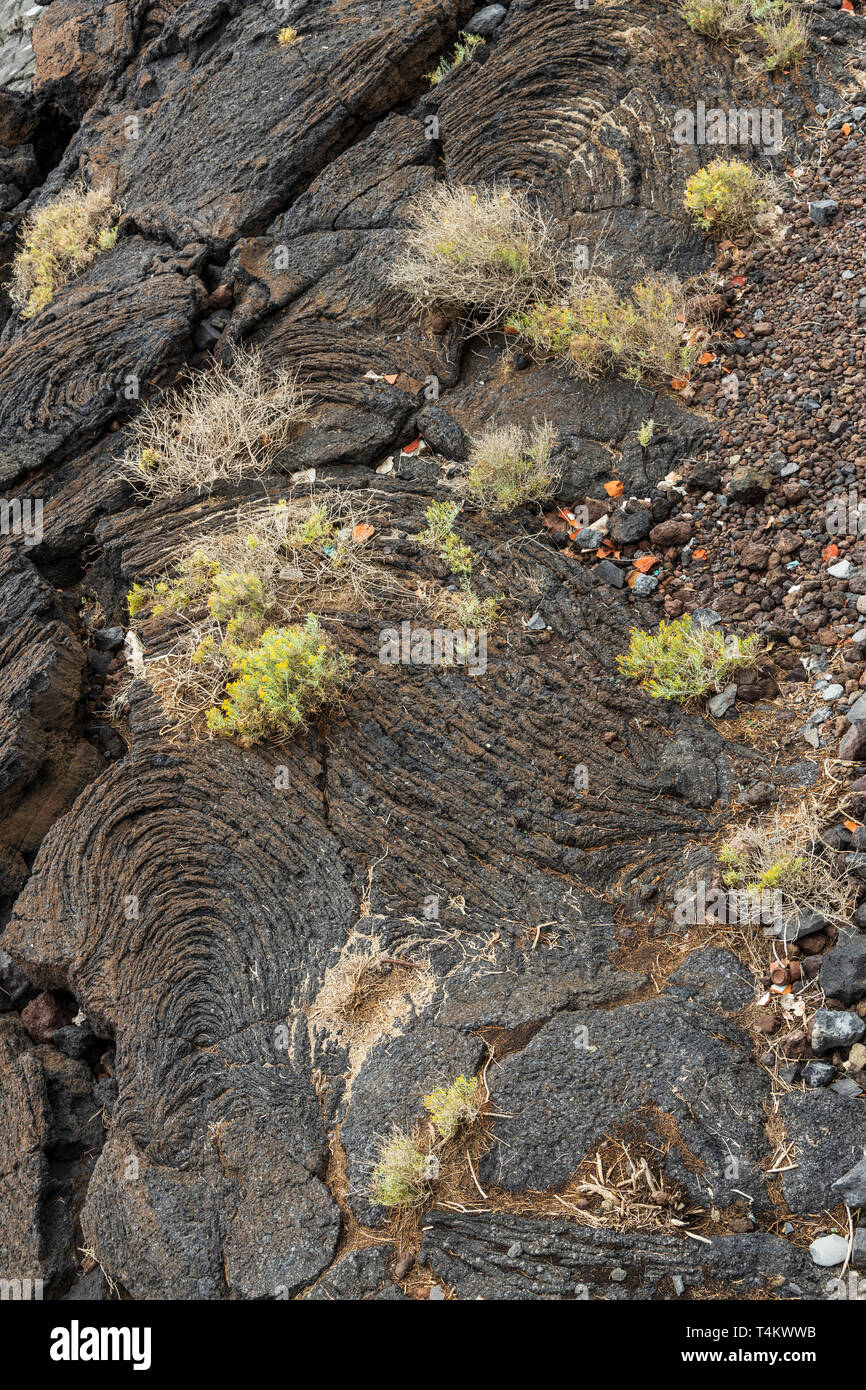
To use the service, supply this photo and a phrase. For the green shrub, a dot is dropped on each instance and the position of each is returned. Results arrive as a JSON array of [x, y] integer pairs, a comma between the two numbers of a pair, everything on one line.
[[451, 1106], [288, 36], [509, 466], [682, 661], [283, 679], [463, 49], [651, 334], [716, 19], [58, 241], [440, 518], [726, 197], [398, 1178]]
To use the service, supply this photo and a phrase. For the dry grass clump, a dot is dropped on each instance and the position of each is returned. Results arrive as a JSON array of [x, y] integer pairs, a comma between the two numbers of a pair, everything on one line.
[[787, 40], [484, 252], [728, 197], [785, 855], [368, 995], [653, 334], [223, 423], [241, 596], [58, 241], [509, 466]]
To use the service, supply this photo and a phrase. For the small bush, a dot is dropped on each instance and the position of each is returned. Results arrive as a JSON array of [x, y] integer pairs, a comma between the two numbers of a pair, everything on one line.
[[399, 1175], [716, 19], [787, 41], [288, 36], [509, 466], [58, 241], [486, 252], [440, 518], [283, 680], [223, 423], [681, 661], [727, 197], [652, 334], [475, 612], [276, 565], [449, 1107], [464, 48]]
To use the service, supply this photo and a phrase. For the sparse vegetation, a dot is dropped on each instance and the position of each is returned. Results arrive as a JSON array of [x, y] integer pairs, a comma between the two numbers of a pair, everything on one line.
[[440, 535], [784, 29], [786, 38], [405, 1167], [509, 466], [463, 49], [454, 1105], [728, 197], [399, 1175], [288, 36], [486, 252], [683, 661], [246, 597], [58, 241], [653, 334], [785, 855], [223, 423]]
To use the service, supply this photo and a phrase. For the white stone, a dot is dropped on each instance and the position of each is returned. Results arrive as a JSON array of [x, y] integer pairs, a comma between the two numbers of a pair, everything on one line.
[[828, 1250]]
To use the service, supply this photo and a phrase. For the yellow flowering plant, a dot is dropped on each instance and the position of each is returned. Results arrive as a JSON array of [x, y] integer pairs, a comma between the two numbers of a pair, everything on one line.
[[282, 680]]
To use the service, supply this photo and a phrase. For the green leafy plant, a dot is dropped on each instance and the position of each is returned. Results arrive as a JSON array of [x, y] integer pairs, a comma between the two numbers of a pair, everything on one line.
[[728, 197], [509, 466], [645, 433], [683, 661], [288, 36], [58, 241], [454, 1105], [463, 49], [283, 679]]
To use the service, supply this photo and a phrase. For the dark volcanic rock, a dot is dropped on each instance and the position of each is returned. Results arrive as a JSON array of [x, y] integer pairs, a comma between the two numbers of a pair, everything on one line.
[[560, 1260], [586, 1074], [829, 1136]]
